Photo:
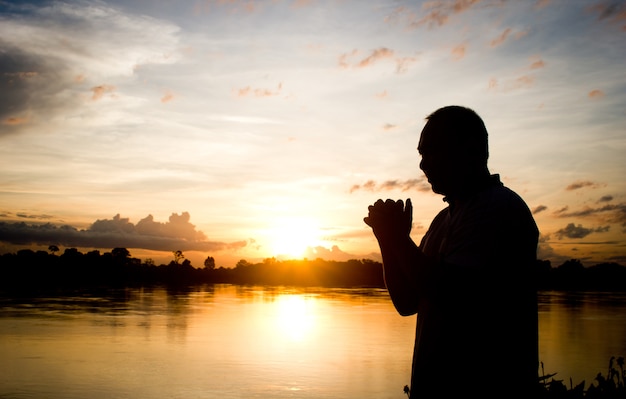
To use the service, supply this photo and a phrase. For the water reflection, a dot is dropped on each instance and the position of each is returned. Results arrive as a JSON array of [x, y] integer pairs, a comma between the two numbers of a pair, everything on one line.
[[579, 332], [295, 316], [242, 341]]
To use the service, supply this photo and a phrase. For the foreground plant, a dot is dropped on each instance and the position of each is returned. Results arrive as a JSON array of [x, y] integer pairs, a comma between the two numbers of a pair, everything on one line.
[[610, 387]]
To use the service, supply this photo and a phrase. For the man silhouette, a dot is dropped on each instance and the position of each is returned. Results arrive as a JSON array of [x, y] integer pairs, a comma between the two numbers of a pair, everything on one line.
[[471, 279]]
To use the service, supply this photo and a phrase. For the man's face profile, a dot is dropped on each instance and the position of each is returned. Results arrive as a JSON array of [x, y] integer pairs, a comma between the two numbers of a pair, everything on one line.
[[441, 159]]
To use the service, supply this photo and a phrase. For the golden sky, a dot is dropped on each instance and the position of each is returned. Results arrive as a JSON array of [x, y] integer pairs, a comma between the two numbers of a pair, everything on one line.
[[251, 129]]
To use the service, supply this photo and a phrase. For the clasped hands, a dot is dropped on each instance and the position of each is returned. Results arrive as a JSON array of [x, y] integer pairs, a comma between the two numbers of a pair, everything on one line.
[[390, 219]]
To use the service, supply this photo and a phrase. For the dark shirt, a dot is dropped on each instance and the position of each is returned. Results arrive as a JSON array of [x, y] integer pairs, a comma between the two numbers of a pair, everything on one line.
[[477, 325]]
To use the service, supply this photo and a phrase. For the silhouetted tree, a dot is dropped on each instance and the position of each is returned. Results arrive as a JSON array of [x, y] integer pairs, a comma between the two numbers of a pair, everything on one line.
[[53, 249], [178, 255], [209, 263], [120, 253]]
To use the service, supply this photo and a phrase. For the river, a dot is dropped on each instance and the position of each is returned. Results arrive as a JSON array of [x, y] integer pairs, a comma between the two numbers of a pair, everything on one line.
[[228, 341]]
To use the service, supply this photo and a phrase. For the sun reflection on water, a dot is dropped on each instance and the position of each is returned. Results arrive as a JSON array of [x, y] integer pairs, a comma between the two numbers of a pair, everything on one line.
[[295, 316]]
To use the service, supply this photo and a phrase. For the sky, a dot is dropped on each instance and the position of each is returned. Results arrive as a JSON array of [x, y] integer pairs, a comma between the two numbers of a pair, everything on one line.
[[257, 129]]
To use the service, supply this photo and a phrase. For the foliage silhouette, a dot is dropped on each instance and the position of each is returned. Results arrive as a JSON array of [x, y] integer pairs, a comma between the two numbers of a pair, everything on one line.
[[28, 269]]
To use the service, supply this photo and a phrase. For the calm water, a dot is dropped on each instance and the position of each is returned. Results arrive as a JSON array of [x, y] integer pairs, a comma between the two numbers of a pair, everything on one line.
[[256, 342]]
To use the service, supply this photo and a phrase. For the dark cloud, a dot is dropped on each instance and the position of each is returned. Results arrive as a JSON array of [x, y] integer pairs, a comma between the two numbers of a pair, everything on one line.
[[539, 208], [606, 198], [581, 184], [578, 231], [609, 213], [57, 48], [176, 234], [613, 11], [20, 74], [404, 185]]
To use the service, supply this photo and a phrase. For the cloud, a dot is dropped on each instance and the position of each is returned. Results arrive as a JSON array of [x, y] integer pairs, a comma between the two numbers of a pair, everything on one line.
[[573, 231], [612, 11], [346, 59], [334, 253], [541, 4], [609, 213], [606, 198], [433, 14], [539, 208], [537, 64], [502, 38], [353, 60], [376, 55], [522, 82], [382, 94], [48, 52], [508, 32], [176, 234], [258, 92], [402, 64], [595, 94], [581, 184], [167, 97], [101, 90], [14, 121], [458, 52], [234, 6], [406, 185]]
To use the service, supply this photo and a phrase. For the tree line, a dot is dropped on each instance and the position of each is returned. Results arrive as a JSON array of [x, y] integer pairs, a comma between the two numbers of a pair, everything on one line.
[[28, 269]]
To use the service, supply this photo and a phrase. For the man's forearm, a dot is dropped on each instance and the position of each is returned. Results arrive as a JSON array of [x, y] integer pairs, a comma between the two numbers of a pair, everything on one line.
[[406, 272]]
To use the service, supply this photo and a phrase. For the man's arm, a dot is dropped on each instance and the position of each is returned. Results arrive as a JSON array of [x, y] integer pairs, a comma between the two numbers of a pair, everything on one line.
[[407, 270]]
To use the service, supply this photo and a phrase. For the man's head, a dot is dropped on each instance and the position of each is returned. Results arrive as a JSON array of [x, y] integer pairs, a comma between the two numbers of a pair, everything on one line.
[[454, 149]]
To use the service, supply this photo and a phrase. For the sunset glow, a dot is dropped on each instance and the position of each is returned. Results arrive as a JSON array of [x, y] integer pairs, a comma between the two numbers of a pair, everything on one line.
[[256, 129], [290, 237]]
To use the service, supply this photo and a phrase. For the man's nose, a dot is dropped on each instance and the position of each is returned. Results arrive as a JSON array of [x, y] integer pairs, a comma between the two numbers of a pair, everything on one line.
[[422, 164]]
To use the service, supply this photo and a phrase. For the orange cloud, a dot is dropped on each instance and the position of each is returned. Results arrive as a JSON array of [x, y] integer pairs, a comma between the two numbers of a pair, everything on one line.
[[167, 97], [595, 94], [14, 121], [402, 64], [505, 35], [541, 4], [459, 52], [522, 82], [439, 12], [343, 58], [539, 63], [347, 60], [376, 55], [249, 91], [500, 39], [99, 91]]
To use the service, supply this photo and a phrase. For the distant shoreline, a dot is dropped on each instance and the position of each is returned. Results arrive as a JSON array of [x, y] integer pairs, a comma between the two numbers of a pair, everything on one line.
[[27, 270]]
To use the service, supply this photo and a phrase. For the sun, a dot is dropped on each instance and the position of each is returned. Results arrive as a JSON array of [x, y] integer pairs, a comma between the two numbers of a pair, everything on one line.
[[290, 237]]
